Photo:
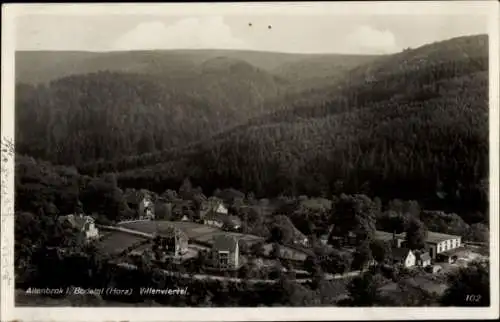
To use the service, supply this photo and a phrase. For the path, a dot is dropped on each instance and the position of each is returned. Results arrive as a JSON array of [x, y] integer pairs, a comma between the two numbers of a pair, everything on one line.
[[328, 277], [125, 230]]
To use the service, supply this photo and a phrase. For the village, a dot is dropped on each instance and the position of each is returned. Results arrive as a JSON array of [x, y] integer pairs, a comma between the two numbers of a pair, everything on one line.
[[211, 244]]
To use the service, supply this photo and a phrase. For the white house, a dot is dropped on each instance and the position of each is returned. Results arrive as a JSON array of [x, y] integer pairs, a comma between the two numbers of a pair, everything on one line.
[[423, 259], [436, 243], [404, 257], [83, 224], [141, 202], [214, 219], [225, 253], [146, 208], [213, 205]]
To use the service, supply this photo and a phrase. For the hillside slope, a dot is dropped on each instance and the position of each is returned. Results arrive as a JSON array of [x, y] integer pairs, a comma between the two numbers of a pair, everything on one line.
[[413, 126], [107, 114], [150, 100]]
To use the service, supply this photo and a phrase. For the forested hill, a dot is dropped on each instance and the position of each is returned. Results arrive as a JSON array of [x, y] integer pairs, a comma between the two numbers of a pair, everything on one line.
[[140, 102], [34, 67], [410, 126], [412, 75]]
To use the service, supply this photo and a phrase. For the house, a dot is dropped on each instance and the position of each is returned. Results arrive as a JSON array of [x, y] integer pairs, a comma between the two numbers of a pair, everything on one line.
[[403, 256], [225, 253], [232, 223], [170, 242], [323, 239], [219, 220], [436, 243], [141, 202], [423, 259], [397, 240], [303, 241], [214, 219], [339, 239], [83, 224], [213, 205]]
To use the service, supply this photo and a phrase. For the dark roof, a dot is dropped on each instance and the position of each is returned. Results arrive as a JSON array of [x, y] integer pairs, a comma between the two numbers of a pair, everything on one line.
[[387, 236], [434, 238], [225, 243], [400, 253]]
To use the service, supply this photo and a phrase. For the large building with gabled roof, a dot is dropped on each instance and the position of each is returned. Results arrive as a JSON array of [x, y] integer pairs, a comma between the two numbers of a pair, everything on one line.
[[436, 243], [225, 252], [170, 241]]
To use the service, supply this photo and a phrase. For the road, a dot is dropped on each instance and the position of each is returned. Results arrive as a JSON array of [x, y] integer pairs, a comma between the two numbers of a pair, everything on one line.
[[240, 280]]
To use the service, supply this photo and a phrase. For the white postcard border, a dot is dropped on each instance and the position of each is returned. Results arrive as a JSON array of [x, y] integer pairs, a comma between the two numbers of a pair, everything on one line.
[[488, 8]]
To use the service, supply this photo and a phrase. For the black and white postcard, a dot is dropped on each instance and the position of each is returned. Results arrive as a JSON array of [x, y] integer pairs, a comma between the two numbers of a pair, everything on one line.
[[250, 161]]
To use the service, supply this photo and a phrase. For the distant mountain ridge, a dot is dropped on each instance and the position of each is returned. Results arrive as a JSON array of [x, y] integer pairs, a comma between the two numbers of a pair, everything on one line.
[[34, 67]]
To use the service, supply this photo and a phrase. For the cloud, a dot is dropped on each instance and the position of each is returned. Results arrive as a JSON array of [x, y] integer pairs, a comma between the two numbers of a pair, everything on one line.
[[188, 33], [368, 40], [57, 33]]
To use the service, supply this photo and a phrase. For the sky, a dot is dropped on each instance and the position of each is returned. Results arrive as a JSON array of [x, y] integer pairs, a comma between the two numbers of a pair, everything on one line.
[[352, 34]]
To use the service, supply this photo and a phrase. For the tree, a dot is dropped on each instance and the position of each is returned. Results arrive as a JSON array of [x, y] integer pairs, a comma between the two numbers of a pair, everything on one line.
[[362, 255], [244, 246], [276, 251], [336, 262], [317, 278], [412, 207], [281, 233], [257, 248], [469, 286], [103, 196], [380, 251], [186, 190], [169, 195], [311, 264], [363, 290], [479, 233], [356, 214], [416, 234]]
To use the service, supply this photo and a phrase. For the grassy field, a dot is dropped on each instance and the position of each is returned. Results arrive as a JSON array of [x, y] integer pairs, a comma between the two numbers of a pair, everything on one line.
[[193, 230], [116, 242], [249, 239]]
